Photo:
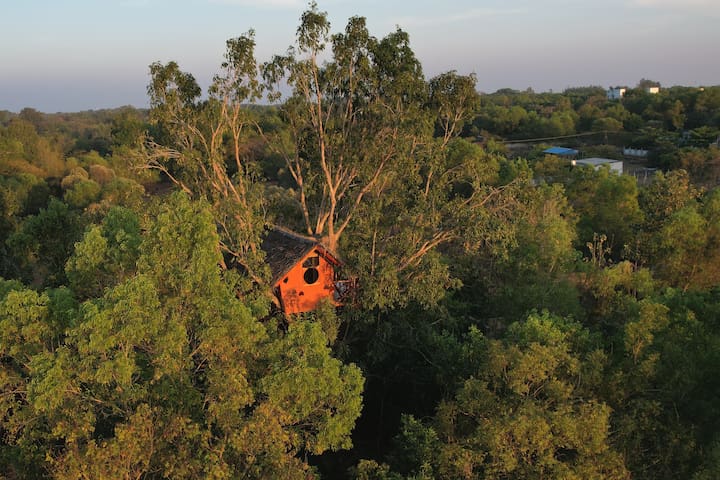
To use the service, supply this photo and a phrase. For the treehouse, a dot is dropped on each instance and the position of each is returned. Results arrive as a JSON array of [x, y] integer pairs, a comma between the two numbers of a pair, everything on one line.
[[303, 271]]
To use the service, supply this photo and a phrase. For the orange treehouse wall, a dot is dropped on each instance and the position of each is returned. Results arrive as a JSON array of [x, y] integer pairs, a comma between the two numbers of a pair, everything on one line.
[[308, 282]]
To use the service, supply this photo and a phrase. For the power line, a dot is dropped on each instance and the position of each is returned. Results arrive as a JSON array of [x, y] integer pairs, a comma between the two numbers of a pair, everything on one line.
[[528, 140]]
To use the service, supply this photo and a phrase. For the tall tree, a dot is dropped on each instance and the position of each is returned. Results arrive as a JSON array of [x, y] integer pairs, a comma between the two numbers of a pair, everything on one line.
[[200, 145], [363, 153], [455, 100], [350, 118]]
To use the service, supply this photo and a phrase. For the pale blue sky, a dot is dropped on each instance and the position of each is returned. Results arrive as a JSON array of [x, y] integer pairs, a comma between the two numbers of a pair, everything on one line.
[[70, 55]]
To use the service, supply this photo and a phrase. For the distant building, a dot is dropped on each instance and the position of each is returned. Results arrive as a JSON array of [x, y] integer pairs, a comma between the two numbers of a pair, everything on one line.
[[561, 152], [635, 152], [652, 90], [616, 93], [615, 166]]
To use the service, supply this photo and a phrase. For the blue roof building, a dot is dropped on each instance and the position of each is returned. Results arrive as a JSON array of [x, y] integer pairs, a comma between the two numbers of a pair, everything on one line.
[[561, 151]]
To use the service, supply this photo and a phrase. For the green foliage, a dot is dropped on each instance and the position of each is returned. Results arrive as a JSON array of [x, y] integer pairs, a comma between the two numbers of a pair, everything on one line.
[[522, 115], [42, 243], [149, 365], [319, 396], [82, 194], [530, 271], [667, 194], [23, 194], [450, 201], [28, 152], [711, 465], [127, 127], [122, 192], [455, 99], [680, 234], [200, 146], [100, 173], [668, 348], [611, 293], [523, 411], [607, 124], [167, 373], [608, 206], [326, 316], [416, 448], [703, 164], [371, 470], [683, 241], [106, 255]]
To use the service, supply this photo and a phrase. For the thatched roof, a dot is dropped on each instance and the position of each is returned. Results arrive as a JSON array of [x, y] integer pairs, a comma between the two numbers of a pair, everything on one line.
[[284, 249]]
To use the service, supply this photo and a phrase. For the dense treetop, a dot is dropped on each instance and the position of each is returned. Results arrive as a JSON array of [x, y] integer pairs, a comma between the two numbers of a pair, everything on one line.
[[515, 316]]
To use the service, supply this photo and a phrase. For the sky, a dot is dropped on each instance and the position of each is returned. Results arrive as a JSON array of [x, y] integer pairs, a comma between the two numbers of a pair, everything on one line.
[[74, 55]]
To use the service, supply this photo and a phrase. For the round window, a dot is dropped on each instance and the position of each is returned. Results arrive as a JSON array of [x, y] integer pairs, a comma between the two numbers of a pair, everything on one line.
[[311, 275]]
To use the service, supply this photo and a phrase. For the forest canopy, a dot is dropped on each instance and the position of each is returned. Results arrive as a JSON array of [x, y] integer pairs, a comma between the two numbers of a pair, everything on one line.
[[513, 315]]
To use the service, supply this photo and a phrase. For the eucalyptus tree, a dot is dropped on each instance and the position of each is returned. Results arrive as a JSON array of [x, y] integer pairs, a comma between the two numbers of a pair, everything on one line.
[[455, 100], [367, 138], [350, 118], [371, 147], [201, 144]]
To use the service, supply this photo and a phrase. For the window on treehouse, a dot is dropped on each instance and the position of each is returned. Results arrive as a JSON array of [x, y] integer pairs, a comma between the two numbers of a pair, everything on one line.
[[310, 265]]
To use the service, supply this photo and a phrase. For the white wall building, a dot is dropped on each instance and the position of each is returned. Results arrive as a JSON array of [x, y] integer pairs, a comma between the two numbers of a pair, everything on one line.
[[616, 166], [635, 152], [616, 93]]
